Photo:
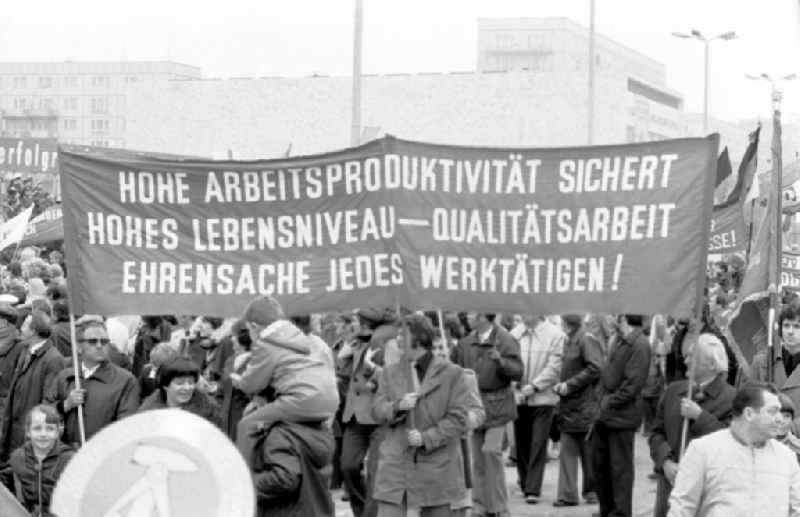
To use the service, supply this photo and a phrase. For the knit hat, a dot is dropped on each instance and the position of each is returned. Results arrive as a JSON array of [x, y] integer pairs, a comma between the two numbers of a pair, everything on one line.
[[263, 311]]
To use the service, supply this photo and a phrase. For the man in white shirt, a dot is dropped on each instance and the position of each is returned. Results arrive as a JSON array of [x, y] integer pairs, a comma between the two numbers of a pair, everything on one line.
[[742, 470]]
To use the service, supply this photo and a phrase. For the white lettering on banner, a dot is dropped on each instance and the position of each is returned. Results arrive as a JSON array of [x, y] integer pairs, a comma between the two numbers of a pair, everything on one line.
[[790, 279], [545, 226], [153, 187], [721, 241], [131, 231], [518, 275], [24, 155], [362, 271], [209, 279], [616, 173], [515, 174]]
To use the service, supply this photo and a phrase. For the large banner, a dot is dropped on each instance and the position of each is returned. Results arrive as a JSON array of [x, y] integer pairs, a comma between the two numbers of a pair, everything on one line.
[[592, 229], [727, 230], [790, 270]]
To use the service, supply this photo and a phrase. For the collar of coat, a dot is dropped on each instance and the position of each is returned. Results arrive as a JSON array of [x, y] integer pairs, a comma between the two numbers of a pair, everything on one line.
[[714, 388], [104, 372]]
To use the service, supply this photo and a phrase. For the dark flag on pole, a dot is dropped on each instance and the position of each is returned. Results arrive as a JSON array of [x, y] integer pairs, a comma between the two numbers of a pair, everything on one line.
[[749, 323], [745, 174], [724, 168]]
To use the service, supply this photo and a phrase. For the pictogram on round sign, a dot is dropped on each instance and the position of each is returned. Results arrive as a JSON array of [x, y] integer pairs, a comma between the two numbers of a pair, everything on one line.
[[165, 463]]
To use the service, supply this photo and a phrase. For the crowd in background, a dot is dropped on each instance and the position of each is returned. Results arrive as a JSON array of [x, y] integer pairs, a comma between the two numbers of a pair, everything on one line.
[[408, 411]]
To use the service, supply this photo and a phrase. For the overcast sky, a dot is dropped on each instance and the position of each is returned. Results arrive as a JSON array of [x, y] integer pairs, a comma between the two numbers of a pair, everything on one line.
[[302, 37]]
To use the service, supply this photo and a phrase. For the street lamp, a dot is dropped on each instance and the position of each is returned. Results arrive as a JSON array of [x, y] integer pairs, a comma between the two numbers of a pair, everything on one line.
[[696, 34], [777, 95]]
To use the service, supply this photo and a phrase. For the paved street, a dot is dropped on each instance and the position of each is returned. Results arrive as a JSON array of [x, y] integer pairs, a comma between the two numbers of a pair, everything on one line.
[[644, 492]]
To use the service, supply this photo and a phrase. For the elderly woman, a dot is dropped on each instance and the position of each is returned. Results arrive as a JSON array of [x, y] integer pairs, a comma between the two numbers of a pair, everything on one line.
[[176, 384], [421, 465]]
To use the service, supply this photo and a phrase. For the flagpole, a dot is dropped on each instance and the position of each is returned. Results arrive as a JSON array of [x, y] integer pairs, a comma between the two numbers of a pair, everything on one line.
[[76, 367], [777, 181]]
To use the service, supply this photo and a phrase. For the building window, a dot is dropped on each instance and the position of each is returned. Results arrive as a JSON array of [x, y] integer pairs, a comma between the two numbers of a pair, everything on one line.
[[131, 79], [99, 105], [630, 134], [70, 124], [70, 103], [20, 103], [70, 81], [20, 82], [45, 82], [504, 41], [100, 125], [99, 143], [46, 103], [100, 81]]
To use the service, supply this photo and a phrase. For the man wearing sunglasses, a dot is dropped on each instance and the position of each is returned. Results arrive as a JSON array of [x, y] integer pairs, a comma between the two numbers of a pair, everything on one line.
[[108, 393]]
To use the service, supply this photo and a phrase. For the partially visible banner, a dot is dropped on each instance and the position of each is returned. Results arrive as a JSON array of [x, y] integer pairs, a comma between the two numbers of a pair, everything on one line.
[[727, 230], [607, 229], [791, 188], [34, 157], [45, 228], [12, 231], [790, 270]]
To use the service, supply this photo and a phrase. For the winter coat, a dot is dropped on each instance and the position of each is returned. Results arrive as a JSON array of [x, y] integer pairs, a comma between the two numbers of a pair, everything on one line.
[[494, 376], [622, 380], [541, 351], [287, 469], [36, 483], [715, 400], [28, 387], [433, 474], [363, 382], [10, 348], [111, 394], [296, 366], [789, 385], [583, 362], [200, 404]]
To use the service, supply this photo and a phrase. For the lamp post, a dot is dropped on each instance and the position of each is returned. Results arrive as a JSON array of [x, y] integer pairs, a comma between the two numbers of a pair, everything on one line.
[[696, 34]]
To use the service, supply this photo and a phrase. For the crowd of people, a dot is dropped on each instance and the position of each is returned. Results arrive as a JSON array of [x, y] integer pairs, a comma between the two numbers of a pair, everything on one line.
[[410, 412]]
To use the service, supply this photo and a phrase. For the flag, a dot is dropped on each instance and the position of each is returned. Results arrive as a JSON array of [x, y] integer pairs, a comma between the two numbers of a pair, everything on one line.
[[748, 323], [745, 174], [13, 230], [724, 168]]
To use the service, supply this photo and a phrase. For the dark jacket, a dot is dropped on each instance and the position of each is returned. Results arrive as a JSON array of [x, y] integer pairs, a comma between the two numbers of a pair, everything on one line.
[[147, 380], [28, 387], [111, 394], [622, 380], [61, 338], [580, 370], [200, 404], [10, 348], [433, 474], [146, 339], [234, 400], [715, 400], [362, 383], [37, 483], [494, 376], [286, 471]]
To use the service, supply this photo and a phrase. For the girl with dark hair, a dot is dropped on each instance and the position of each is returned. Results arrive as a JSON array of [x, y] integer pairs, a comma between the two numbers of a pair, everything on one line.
[[177, 388]]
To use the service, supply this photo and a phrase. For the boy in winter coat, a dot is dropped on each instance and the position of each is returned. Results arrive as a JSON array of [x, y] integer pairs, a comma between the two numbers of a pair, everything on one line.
[[298, 368], [33, 469]]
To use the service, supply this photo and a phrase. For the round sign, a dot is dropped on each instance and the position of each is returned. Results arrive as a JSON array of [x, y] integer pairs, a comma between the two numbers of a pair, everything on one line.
[[165, 463]]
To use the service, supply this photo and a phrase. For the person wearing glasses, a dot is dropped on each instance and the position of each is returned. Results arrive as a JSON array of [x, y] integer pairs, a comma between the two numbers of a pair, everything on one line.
[[108, 393]]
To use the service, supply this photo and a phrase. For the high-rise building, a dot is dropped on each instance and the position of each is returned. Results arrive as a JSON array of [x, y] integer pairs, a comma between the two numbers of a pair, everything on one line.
[[561, 46], [77, 102]]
